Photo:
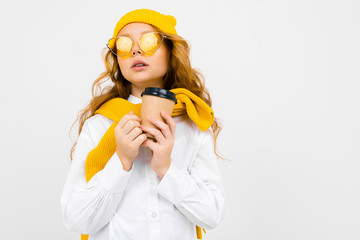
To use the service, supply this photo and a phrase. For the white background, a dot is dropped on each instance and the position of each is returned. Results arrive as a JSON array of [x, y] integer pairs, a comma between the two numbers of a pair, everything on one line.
[[284, 77]]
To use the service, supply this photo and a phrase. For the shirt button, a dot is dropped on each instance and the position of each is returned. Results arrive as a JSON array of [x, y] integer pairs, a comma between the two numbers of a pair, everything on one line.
[[153, 215]]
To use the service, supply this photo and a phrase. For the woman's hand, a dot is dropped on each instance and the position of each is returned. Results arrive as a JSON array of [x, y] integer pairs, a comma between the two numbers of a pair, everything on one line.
[[129, 137], [163, 146]]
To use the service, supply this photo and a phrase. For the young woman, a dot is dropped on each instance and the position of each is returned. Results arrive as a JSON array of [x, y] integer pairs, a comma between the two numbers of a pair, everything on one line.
[[167, 188]]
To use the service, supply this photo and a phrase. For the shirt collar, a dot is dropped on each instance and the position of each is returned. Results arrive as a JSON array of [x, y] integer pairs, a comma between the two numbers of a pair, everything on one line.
[[134, 99]]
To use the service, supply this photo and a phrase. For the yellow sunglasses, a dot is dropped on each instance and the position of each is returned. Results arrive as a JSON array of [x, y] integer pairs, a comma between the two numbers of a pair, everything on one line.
[[148, 42]]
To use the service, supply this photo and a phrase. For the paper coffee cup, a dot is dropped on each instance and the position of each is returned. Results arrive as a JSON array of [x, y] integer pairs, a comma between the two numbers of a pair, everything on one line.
[[155, 100]]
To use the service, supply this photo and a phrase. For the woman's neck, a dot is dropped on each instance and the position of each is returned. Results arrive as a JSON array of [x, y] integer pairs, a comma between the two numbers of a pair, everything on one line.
[[136, 90]]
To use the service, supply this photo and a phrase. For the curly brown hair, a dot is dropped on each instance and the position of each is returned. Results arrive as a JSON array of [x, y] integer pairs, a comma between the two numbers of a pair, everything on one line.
[[180, 74]]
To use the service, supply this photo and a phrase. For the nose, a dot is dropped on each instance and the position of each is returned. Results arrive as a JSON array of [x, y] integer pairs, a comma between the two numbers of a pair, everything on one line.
[[136, 49]]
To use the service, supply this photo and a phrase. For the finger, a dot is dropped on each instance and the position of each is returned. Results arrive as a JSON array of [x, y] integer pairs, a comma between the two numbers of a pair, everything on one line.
[[155, 132], [139, 140], [149, 143], [164, 128], [170, 122], [126, 118], [129, 126], [134, 133]]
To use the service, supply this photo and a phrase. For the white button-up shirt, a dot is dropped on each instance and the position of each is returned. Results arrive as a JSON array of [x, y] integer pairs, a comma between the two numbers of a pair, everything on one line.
[[120, 205]]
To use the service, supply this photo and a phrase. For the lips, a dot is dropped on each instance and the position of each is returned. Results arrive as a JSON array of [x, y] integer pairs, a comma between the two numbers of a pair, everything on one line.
[[139, 62]]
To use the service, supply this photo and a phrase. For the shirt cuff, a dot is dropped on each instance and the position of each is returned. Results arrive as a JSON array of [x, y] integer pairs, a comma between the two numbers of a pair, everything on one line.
[[113, 177], [174, 184]]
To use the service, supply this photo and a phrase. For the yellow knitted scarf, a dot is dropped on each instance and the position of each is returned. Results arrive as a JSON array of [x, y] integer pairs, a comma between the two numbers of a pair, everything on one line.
[[187, 102]]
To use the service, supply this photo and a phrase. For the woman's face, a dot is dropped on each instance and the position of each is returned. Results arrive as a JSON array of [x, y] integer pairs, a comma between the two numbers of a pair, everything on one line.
[[157, 62]]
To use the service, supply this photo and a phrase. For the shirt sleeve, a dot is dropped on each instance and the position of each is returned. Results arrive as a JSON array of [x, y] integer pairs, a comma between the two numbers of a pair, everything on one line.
[[88, 206], [197, 193]]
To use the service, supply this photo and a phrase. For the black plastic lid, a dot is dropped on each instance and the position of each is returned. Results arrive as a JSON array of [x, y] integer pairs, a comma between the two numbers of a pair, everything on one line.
[[159, 92]]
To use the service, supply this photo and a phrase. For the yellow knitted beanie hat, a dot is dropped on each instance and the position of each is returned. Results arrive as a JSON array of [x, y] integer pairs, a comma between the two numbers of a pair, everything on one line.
[[165, 23]]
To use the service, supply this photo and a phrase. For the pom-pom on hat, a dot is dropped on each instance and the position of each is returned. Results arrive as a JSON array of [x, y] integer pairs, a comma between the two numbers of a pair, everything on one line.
[[165, 23]]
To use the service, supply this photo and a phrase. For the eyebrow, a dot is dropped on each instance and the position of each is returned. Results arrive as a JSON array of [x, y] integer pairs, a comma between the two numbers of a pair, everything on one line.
[[126, 34]]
